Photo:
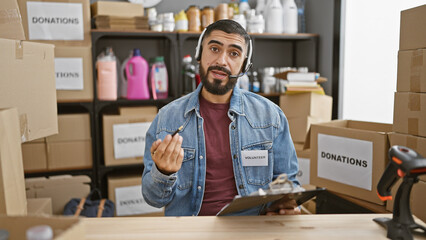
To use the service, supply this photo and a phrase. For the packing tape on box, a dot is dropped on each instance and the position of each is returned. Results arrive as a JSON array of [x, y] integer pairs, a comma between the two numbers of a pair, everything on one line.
[[19, 50], [416, 70], [413, 126], [414, 102], [8, 16]]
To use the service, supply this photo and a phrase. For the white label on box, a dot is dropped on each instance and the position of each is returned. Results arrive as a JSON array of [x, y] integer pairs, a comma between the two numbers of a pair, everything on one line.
[[55, 21], [69, 73], [345, 160], [129, 201], [304, 171], [129, 139]]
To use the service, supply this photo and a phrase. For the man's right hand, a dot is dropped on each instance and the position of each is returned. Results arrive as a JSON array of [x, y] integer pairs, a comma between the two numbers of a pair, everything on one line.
[[168, 154]]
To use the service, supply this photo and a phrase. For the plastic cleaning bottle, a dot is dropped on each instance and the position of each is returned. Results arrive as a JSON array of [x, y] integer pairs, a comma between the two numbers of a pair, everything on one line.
[[274, 20], [159, 79], [181, 22], [301, 20], [137, 76], [290, 16], [188, 73], [122, 84], [244, 7], [260, 7], [106, 66]]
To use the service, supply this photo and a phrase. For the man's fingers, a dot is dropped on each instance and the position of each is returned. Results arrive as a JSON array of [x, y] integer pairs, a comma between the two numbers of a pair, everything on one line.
[[169, 151], [176, 151], [161, 149], [155, 145]]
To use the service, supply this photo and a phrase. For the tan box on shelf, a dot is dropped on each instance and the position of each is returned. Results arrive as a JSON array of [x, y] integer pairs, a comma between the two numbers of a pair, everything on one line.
[[70, 149], [60, 188], [411, 71], [117, 9], [73, 53], [299, 127], [412, 28], [307, 104], [39, 206], [409, 115], [28, 83], [12, 186], [349, 157], [133, 205], [10, 20], [148, 110], [64, 228], [108, 123], [51, 15], [417, 199]]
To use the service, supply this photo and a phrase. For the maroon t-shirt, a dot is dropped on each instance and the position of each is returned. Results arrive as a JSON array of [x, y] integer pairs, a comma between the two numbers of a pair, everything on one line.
[[220, 183]]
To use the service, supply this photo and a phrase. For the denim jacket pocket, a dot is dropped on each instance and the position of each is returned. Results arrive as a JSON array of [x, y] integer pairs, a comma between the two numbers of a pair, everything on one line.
[[259, 175], [186, 172]]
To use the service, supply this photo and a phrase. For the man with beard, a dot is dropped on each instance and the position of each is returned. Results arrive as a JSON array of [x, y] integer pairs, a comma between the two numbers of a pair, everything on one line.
[[232, 142]]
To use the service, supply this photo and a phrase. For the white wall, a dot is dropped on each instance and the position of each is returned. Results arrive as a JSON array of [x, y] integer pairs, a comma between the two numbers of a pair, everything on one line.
[[368, 60]]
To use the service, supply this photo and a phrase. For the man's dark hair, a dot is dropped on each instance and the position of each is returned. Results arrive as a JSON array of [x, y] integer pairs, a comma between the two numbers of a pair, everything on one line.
[[228, 26]]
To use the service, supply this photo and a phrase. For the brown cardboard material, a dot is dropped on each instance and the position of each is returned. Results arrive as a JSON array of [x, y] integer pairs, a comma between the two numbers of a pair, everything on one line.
[[412, 71], [64, 228], [72, 127], [60, 188], [28, 83], [409, 116], [417, 199], [12, 187], [34, 155], [418, 144], [299, 127], [348, 129], [117, 9], [39, 206], [86, 94], [10, 20], [413, 32], [307, 104], [149, 110], [86, 22], [115, 182], [108, 122]]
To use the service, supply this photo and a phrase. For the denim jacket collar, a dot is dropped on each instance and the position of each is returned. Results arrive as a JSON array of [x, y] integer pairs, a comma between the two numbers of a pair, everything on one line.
[[236, 105]]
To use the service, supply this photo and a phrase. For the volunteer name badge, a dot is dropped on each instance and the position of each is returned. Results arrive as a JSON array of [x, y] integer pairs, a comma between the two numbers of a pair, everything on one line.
[[254, 158], [55, 21], [345, 160], [129, 139], [69, 73]]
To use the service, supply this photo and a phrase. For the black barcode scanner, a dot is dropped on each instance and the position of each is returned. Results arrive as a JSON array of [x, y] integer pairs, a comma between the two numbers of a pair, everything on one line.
[[407, 164]]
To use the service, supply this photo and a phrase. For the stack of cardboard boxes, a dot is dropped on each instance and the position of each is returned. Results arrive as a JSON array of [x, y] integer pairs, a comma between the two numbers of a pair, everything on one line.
[[66, 24], [410, 99]]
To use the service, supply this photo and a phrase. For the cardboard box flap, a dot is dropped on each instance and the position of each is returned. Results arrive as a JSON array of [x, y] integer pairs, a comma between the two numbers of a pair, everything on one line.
[[370, 126], [307, 144], [41, 182], [11, 26], [72, 127]]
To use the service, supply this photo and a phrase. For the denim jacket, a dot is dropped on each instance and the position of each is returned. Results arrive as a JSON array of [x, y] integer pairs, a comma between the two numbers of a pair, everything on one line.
[[256, 124]]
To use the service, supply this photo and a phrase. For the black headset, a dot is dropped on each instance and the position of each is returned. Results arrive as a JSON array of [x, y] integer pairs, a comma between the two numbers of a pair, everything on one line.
[[247, 62]]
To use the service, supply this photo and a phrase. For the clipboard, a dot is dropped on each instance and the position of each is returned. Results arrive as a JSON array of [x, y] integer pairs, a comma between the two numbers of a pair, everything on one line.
[[240, 203]]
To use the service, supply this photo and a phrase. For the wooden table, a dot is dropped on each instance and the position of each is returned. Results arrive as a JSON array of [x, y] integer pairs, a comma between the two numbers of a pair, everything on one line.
[[339, 226]]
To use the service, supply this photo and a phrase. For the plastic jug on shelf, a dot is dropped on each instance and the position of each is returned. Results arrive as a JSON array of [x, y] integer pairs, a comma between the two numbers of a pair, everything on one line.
[[122, 84], [159, 79], [137, 77], [106, 65]]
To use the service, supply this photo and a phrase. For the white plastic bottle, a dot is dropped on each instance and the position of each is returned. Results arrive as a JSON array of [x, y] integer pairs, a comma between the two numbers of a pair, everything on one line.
[[244, 7], [274, 20], [260, 7], [290, 16]]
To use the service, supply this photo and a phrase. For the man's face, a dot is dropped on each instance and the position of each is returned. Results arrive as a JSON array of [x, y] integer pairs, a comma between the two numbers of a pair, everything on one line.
[[223, 55]]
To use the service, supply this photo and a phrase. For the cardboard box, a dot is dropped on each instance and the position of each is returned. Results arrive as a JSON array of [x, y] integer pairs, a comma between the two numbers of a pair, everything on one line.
[[349, 157], [74, 74], [411, 71], [60, 22], [307, 104], [418, 144], [28, 83], [64, 228], [60, 188], [299, 127], [413, 32], [304, 158], [417, 199], [39, 206], [147, 110], [117, 9], [12, 187], [126, 193], [409, 115], [70, 149], [10, 20], [127, 144]]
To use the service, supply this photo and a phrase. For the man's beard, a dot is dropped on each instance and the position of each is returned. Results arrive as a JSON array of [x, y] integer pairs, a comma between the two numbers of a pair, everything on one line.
[[215, 86]]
